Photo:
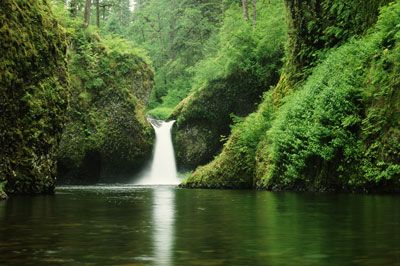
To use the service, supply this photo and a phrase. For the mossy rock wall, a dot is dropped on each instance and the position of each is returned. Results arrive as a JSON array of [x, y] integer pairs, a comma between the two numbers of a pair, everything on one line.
[[108, 136], [33, 95], [340, 130], [337, 131], [316, 26]]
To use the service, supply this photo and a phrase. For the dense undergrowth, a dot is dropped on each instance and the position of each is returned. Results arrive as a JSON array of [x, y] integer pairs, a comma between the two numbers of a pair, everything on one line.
[[337, 130], [229, 82]]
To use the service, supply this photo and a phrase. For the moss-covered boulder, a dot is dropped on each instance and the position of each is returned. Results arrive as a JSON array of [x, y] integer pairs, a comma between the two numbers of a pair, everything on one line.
[[33, 95], [205, 118], [108, 135]]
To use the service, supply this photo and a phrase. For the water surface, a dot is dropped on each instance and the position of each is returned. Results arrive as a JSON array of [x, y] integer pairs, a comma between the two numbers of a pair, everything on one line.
[[127, 225]]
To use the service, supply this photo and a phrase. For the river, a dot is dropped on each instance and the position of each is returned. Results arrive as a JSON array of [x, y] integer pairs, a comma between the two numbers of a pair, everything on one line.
[[164, 225]]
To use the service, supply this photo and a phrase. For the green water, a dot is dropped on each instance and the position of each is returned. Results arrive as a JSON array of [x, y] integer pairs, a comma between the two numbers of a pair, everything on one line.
[[125, 225]]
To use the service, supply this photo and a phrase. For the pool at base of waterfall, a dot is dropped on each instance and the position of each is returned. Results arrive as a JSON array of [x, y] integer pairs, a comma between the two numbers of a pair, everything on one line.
[[165, 225]]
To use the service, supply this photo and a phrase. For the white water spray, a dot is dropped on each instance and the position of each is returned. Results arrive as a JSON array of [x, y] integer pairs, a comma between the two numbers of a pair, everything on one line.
[[163, 166]]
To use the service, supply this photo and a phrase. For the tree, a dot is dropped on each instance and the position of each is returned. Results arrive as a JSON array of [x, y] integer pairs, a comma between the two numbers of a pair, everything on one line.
[[86, 19], [97, 13], [245, 10], [175, 33], [254, 12]]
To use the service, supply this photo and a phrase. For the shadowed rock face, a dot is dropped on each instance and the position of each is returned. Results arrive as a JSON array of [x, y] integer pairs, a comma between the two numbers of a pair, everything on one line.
[[205, 119], [33, 95]]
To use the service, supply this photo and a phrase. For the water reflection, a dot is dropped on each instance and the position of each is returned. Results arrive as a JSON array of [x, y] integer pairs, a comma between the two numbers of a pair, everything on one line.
[[163, 224], [2, 208], [169, 226]]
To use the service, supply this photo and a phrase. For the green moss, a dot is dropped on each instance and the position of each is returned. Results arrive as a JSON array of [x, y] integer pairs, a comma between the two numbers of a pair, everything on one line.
[[317, 26], [206, 117], [107, 135], [34, 95]]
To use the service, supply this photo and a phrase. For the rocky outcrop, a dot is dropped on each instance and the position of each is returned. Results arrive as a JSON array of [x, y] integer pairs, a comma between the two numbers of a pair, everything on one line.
[[108, 136], [33, 95]]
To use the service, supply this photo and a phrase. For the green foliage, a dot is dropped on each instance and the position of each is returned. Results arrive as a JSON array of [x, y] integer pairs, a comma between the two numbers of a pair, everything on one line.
[[161, 113], [381, 125], [239, 46], [115, 18], [339, 130], [174, 33], [315, 125], [34, 95], [230, 81]]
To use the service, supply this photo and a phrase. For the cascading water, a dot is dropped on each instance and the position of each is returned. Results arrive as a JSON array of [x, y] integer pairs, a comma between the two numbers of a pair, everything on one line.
[[163, 166]]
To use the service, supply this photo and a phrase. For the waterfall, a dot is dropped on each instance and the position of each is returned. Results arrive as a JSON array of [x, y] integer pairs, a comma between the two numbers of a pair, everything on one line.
[[163, 166]]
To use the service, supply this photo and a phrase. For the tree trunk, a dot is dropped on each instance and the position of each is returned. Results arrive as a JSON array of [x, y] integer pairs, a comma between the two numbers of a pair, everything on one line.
[[86, 19], [73, 8], [245, 10], [254, 12], [97, 13]]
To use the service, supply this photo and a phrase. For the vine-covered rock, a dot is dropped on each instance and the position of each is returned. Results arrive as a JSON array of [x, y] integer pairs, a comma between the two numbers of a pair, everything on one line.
[[33, 95]]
